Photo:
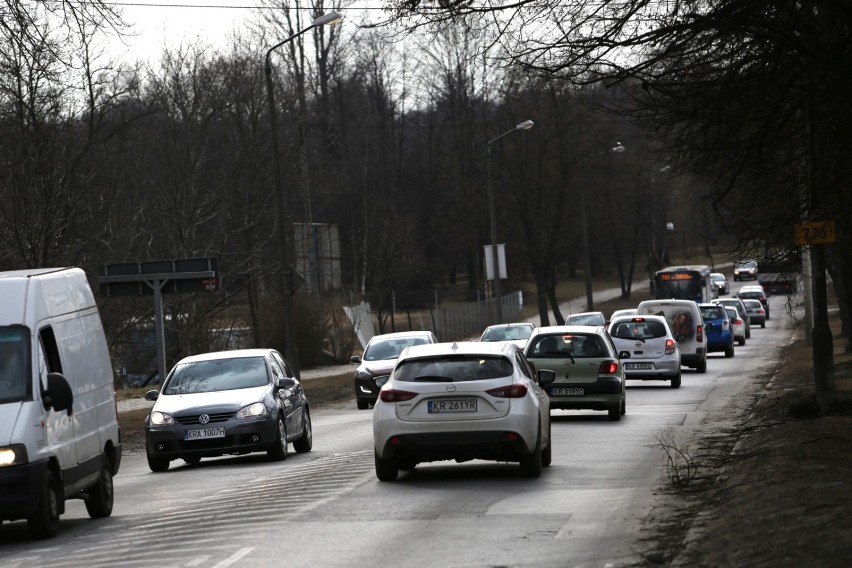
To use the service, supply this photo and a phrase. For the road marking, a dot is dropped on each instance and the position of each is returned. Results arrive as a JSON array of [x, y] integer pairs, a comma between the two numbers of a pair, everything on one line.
[[234, 557]]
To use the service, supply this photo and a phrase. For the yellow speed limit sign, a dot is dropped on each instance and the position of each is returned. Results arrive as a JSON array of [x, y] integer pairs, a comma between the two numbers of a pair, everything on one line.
[[815, 233]]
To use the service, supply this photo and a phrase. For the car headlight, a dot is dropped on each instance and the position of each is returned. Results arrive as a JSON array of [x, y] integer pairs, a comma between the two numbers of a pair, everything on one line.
[[161, 419], [363, 375], [255, 410], [13, 455]]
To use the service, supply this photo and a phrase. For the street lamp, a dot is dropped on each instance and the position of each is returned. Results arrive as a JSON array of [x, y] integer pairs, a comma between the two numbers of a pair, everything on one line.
[[290, 351], [587, 256], [525, 125]]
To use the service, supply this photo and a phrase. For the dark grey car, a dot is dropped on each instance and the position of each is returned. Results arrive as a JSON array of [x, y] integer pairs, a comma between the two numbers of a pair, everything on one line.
[[229, 402]]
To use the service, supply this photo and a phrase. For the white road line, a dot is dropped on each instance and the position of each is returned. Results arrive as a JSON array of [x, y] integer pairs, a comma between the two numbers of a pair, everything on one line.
[[234, 557]]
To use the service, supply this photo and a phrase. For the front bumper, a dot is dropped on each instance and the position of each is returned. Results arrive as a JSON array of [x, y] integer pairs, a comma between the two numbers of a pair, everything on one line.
[[241, 437], [20, 489]]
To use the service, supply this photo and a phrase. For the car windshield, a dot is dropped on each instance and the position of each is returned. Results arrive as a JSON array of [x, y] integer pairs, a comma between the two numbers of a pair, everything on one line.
[[747, 264], [14, 353], [585, 319], [453, 368], [562, 345], [712, 313], [717, 277], [507, 333], [639, 330], [384, 349], [217, 375]]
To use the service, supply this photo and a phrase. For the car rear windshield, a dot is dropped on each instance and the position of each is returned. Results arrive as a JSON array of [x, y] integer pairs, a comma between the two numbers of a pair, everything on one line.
[[639, 330], [217, 375], [507, 333], [751, 295], [573, 344], [753, 304], [587, 319], [453, 368], [713, 313], [390, 348]]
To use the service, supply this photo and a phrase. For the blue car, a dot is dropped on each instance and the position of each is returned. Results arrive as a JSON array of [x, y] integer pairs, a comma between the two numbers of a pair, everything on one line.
[[717, 329]]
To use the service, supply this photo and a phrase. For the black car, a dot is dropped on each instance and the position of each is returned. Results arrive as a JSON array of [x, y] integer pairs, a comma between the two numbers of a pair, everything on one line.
[[228, 402], [379, 358]]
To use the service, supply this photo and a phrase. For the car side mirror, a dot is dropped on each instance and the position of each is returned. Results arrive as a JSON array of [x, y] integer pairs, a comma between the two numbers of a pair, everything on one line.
[[624, 354], [285, 383], [546, 376], [355, 359], [152, 395], [58, 395], [380, 381]]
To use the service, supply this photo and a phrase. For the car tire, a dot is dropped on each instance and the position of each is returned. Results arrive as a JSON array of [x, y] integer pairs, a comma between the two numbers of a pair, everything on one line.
[[729, 351], [547, 453], [763, 324], [741, 341], [278, 451], [386, 468], [45, 522], [614, 413], [99, 503], [676, 381], [702, 367], [157, 465], [407, 465], [362, 404], [306, 442], [531, 464], [623, 403], [192, 460]]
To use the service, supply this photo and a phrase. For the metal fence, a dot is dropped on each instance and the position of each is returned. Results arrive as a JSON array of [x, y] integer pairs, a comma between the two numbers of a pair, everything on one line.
[[462, 321]]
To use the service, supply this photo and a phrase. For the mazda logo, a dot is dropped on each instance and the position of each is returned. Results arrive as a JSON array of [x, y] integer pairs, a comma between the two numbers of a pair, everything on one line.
[[204, 419], [451, 388]]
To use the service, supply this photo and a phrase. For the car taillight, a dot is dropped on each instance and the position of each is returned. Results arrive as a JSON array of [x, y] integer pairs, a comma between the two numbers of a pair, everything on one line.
[[394, 395], [737, 321], [608, 368], [726, 324], [699, 333], [670, 346], [509, 391], [760, 311]]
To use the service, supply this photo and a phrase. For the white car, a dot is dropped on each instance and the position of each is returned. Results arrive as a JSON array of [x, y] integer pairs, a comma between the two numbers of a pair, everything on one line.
[[652, 352], [462, 401]]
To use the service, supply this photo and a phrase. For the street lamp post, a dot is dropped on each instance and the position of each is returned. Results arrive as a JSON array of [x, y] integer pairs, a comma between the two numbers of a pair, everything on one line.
[[526, 125], [291, 353], [587, 255]]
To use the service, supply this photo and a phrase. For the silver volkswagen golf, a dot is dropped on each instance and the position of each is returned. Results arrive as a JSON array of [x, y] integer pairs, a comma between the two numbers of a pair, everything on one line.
[[228, 402]]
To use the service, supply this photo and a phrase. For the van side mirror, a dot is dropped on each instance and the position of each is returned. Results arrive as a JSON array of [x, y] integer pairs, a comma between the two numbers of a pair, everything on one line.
[[58, 395]]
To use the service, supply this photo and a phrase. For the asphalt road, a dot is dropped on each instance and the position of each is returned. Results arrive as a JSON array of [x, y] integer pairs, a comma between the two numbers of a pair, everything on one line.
[[326, 508]]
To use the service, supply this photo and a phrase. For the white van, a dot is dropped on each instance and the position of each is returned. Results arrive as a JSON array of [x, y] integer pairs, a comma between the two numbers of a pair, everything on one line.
[[684, 319], [59, 435]]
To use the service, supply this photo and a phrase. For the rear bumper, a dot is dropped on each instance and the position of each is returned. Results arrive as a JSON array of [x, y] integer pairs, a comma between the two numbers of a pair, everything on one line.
[[602, 394], [460, 446], [663, 368]]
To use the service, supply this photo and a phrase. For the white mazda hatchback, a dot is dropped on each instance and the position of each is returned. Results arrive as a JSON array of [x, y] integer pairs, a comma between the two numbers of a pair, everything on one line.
[[462, 401]]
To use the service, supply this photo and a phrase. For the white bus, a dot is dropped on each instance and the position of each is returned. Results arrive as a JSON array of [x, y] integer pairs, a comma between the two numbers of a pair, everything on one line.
[[691, 282]]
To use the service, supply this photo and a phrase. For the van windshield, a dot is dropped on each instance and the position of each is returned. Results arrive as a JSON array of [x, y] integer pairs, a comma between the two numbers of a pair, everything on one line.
[[15, 383]]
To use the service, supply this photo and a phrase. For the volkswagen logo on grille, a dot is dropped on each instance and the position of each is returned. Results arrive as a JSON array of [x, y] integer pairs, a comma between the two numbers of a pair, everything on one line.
[[451, 388], [204, 419]]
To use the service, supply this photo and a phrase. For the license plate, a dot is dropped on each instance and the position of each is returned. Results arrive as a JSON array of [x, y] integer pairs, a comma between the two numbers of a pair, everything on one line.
[[638, 366], [204, 433], [567, 392], [461, 405]]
